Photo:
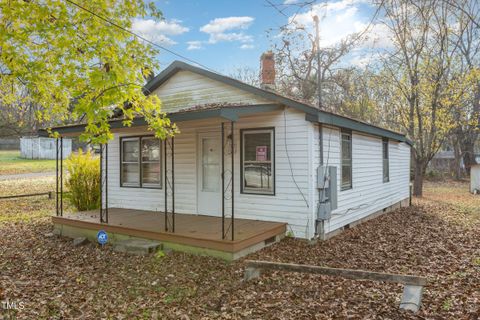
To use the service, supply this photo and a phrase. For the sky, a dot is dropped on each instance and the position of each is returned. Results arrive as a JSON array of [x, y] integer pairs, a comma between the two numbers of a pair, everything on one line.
[[226, 35]]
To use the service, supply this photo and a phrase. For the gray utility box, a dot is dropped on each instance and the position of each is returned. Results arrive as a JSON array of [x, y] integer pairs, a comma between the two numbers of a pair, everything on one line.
[[327, 187]]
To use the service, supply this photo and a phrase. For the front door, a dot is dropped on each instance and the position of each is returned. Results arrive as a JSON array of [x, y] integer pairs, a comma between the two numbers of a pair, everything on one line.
[[209, 174]]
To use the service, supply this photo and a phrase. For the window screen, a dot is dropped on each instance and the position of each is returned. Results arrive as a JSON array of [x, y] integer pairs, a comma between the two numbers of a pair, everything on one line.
[[346, 169], [130, 162], [386, 165], [258, 161], [150, 161]]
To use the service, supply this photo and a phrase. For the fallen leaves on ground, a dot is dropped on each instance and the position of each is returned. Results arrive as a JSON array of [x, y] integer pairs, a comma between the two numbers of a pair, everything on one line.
[[30, 208], [435, 239]]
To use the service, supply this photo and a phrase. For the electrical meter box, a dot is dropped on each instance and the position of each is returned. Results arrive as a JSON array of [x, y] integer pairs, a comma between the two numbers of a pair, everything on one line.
[[327, 187]]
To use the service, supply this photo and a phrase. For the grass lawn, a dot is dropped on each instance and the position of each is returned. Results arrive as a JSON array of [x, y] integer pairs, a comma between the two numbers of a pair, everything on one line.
[[11, 163], [437, 238]]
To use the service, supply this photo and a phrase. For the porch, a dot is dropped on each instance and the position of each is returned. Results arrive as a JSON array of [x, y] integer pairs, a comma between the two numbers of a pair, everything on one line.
[[199, 234], [183, 191]]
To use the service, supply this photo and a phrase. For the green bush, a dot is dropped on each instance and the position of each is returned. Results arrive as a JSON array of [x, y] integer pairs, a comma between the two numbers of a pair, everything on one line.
[[84, 180]]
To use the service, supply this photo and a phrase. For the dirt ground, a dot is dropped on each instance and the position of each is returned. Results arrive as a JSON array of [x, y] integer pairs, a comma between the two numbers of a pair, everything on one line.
[[439, 238]]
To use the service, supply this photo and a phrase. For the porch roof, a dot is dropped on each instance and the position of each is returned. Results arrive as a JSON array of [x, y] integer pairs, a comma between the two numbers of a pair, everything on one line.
[[227, 112]]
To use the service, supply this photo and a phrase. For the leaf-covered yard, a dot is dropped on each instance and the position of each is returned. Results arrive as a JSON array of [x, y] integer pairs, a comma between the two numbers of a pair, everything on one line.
[[438, 238]]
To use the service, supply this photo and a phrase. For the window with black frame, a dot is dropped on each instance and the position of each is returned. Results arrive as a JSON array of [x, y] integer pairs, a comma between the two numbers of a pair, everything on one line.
[[346, 157], [141, 162], [257, 161], [386, 165]]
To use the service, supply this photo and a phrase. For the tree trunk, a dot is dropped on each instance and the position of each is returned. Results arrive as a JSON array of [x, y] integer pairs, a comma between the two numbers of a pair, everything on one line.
[[457, 169], [469, 152], [418, 178]]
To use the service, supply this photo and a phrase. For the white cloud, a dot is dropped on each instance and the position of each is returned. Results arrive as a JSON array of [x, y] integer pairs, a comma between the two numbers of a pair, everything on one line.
[[194, 45], [338, 20], [220, 25], [379, 36], [366, 59], [217, 29], [287, 2], [159, 31], [232, 36], [247, 46]]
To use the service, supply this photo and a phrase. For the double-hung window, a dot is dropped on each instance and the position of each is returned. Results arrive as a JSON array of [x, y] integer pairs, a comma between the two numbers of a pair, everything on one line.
[[386, 165], [258, 161], [346, 157], [140, 162]]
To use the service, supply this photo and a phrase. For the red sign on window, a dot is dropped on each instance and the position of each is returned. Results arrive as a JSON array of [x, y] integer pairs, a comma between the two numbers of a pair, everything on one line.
[[261, 154]]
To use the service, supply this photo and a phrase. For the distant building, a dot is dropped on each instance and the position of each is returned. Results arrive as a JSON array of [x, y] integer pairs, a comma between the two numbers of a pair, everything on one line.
[[444, 161], [42, 148]]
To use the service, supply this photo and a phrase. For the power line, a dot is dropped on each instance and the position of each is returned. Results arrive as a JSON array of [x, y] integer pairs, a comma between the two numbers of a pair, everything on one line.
[[139, 36]]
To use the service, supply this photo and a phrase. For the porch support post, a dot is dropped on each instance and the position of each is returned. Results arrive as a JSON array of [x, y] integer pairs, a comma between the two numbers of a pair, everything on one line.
[[61, 176], [233, 180], [165, 181], [104, 183], [101, 183], [223, 180], [57, 211], [173, 184]]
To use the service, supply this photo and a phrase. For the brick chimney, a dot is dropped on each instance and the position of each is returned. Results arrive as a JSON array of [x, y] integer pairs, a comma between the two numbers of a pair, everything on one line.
[[267, 71]]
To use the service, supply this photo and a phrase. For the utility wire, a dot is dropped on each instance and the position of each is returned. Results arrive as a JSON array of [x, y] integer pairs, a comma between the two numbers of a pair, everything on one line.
[[139, 36], [288, 158]]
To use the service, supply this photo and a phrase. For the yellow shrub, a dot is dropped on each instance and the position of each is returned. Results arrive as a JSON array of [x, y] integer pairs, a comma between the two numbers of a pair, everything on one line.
[[84, 180]]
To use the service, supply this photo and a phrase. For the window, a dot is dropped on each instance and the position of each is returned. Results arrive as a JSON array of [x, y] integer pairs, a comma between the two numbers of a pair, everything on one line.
[[257, 161], [140, 162], [346, 169], [130, 162], [386, 167]]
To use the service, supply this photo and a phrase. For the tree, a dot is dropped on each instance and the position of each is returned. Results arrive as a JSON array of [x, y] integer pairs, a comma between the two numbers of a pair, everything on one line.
[[75, 65], [421, 73], [247, 75], [305, 67], [19, 119], [467, 33]]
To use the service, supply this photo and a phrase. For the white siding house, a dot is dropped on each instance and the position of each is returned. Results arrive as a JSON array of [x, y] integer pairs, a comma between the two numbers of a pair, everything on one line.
[[278, 146]]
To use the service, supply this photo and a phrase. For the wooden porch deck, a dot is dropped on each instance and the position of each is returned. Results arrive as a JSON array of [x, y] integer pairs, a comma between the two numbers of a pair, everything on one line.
[[190, 230]]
